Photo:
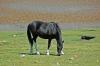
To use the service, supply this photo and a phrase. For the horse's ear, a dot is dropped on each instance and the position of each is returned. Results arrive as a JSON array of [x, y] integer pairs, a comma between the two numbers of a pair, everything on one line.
[[63, 41]]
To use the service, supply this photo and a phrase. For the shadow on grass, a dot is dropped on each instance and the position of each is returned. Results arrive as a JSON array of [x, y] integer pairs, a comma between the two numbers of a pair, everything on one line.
[[36, 54]]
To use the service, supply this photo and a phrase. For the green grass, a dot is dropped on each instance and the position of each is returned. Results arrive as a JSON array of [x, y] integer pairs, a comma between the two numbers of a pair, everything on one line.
[[77, 52]]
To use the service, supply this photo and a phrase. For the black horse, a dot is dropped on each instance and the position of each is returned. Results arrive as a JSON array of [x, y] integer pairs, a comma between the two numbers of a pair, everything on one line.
[[44, 30]]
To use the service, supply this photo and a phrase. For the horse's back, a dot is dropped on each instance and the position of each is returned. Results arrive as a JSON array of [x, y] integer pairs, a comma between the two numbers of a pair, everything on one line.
[[35, 25], [48, 28], [41, 28]]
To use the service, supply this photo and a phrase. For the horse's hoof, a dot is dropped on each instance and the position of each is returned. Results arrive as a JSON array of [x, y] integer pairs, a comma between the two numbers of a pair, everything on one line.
[[31, 53], [47, 53], [38, 53], [58, 54], [62, 53]]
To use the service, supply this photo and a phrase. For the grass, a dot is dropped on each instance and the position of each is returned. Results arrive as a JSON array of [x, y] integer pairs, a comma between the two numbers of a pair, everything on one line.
[[77, 52]]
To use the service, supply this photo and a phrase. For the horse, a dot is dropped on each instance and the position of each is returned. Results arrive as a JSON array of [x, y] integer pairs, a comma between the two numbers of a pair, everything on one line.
[[50, 30]]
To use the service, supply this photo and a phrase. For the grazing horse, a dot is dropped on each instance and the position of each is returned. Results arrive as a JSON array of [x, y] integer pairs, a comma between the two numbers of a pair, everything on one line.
[[44, 30]]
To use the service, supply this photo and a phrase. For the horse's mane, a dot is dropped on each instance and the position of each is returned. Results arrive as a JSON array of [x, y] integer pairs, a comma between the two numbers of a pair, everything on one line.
[[52, 27]]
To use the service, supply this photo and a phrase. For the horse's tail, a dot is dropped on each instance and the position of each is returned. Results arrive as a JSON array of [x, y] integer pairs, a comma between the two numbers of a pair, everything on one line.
[[29, 35]]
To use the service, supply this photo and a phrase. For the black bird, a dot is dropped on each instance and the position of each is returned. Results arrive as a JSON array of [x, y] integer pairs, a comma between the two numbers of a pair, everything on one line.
[[87, 37]]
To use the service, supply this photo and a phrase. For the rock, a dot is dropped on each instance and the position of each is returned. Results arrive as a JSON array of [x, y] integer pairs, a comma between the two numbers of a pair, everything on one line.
[[87, 37]]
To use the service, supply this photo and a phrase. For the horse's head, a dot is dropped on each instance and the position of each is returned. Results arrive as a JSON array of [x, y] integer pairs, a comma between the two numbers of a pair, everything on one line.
[[60, 47]]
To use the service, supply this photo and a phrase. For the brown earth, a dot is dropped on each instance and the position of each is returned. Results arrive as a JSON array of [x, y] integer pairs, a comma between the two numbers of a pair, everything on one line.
[[74, 14], [89, 11]]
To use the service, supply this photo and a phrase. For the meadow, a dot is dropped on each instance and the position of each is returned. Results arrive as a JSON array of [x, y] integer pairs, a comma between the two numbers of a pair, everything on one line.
[[14, 44]]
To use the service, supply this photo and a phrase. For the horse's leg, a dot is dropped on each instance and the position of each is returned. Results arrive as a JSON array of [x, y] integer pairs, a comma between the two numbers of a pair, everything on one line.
[[31, 47], [36, 47], [49, 44], [62, 52]]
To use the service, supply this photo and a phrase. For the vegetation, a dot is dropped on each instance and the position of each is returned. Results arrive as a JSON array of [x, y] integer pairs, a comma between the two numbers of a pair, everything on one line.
[[14, 49]]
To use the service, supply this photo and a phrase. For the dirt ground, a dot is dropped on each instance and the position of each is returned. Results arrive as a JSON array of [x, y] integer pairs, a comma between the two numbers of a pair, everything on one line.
[[16, 14], [23, 26]]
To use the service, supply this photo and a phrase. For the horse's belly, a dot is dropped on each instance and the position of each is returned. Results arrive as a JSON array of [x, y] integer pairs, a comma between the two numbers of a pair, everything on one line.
[[46, 36]]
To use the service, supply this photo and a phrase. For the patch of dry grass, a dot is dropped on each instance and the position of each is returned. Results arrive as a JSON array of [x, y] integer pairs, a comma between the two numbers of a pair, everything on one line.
[[16, 16]]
